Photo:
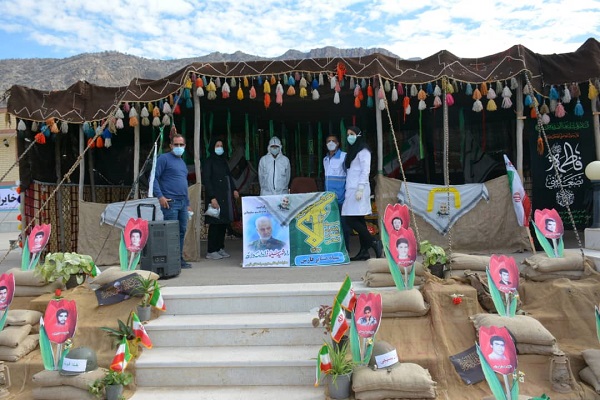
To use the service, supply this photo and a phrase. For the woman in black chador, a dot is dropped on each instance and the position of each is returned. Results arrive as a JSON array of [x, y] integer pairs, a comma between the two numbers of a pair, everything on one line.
[[220, 190]]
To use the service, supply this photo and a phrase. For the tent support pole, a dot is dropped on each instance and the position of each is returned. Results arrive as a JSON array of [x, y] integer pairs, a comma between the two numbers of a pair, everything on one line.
[[520, 127], [379, 123], [198, 208], [81, 164], [59, 197], [596, 121], [136, 160]]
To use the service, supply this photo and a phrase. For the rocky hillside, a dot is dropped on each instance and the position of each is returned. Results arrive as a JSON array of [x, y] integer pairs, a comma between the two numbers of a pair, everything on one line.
[[111, 68]]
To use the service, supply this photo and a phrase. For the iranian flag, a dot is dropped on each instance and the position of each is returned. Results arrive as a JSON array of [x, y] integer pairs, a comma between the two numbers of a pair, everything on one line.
[[339, 324], [96, 271], [323, 363], [346, 296], [140, 332], [157, 299], [119, 363], [521, 201]]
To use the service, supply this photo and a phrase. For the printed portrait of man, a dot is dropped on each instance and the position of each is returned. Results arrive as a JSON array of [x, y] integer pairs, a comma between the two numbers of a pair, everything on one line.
[[498, 347], [61, 316], [397, 223], [135, 238], [38, 242], [266, 241], [402, 247], [367, 318], [3, 297], [550, 225], [504, 277]]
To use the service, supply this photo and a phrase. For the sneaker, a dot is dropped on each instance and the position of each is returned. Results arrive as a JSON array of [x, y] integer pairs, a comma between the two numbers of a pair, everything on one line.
[[214, 256], [186, 265], [223, 253]]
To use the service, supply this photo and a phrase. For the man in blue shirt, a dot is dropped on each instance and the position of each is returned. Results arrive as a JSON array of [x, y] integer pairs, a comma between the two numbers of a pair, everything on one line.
[[171, 188]]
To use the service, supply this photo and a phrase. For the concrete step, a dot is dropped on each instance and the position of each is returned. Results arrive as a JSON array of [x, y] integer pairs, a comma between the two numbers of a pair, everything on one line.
[[270, 329], [227, 366], [308, 392], [238, 299]]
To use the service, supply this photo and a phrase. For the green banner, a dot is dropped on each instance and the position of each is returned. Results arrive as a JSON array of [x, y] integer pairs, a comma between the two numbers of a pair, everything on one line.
[[294, 230]]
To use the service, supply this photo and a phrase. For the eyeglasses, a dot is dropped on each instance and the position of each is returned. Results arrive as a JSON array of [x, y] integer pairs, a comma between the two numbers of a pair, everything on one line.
[[178, 144]]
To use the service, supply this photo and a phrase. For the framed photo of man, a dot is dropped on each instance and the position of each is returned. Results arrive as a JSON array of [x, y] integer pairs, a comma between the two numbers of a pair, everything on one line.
[[367, 314], [60, 320], [136, 234], [38, 238], [504, 272], [498, 349]]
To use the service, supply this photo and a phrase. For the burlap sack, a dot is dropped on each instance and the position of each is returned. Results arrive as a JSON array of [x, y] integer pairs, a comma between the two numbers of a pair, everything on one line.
[[408, 302], [23, 317], [394, 395], [460, 261], [113, 273], [61, 393], [384, 279], [572, 261], [405, 377], [461, 273], [592, 359], [381, 265], [538, 276], [34, 291], [81, 381], [26, 278], [588, 376], [11, 336], [528, 348], [524, 328], [24, 348]]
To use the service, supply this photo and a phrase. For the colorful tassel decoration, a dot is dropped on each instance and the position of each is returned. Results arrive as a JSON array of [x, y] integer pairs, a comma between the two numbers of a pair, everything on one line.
[[356, 102], [341, 71], [578, 110], [21, 126], [34, 126], [279, 94], [156, 112], [91, 143], [575, 91], [291, 91], [303, 83], [491, 94], [166, 120], [156, 122], [240, 93], [303, 92], [566, 99], [267, 99], [526, 90], [429, 88], [498, 87], [332, 82], [119, 123], [406, 106], [386, 86], [544, 109], [400, 89], [545, 119], [133, 117], [491, 105], [315, 94], [352, 84], [469, 89], [177, 109], [167, 108], [200, 91], [437, 102], [394, 95], [321, 79], [514, 84], [560, 110], [477, 106], [449, 99], [413, 90], [225, 90], [381, 99], [199, 82], [592, 91], [99, 142], [533, 113], [553, 95], [126, 107], [506, 95], [218, 82], [273, 81], [336, 98], [476, 94], [315, 84], [540, 146], [437, 91], [528, 100], [252, 94], [246, 82], [40, 138], [233, 83]]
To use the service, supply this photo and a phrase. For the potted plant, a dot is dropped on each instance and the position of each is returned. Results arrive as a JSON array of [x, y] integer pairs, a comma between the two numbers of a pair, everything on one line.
[[68, 267], [340, 374], [111, 385], [145, 290], [323, 318], [124, 330], [434, 257]]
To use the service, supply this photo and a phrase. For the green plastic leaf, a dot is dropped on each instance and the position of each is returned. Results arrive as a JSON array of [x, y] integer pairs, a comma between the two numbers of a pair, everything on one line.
[[368, 352], [46, 348], [496, 295], [561, 247], [491, 377], [512, 310], [35, 260], [354, 341], [135, 262], [544, 242], [123, 253], [3, 319], [25, 256], [514, 391], [597, 322]]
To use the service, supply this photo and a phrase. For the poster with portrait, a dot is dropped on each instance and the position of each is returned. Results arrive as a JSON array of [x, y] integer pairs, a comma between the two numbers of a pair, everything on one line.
[[571, 145], [7, 290], [399, 244], [367, 314], [136, 234], [549, 223], [292, 230], [498, 349], [9, 198], [504, 273], [60, 320], [395, 217], [38, 238]]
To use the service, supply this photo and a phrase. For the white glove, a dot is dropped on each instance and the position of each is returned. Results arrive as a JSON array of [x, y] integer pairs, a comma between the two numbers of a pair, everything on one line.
[[359, 192]]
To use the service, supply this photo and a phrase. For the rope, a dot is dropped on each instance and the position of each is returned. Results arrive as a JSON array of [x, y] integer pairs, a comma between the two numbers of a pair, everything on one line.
[[18, 160], [540, 126], [447, 162], [410, 207]]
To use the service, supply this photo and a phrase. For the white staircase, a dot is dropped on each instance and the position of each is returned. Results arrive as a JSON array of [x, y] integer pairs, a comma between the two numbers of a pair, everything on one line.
[[235, 342]]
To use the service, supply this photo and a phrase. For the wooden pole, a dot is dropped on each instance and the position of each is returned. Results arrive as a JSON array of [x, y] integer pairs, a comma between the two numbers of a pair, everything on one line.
[[379, 123], [136, 159], [596, 121], [81, 163], [520, 127]]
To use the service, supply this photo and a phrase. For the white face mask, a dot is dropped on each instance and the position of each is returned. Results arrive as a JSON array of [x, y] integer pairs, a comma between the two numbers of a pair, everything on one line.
[[274, 150], [351, 139], [219, 151], [331, 146]]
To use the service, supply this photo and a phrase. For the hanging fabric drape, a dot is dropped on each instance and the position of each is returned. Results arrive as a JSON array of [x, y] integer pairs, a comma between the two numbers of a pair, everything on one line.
[[229, 146], [247, 137]]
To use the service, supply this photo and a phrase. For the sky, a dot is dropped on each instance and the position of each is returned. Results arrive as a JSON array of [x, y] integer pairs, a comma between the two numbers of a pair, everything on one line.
[[173, 29]]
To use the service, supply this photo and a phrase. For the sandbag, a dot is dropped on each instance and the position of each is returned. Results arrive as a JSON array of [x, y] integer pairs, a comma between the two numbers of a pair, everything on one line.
[[34, 291], [462, 273], [404, 377], [385, 279], [394, 395], [528, 348], [113, 273], [381, 265], [525, 329], [81, 381], [11, 336], [460, 261], [24, 348], [26, 278], [572, 261], [61, 393], [409, 302], [588, 376], [538, 276], [592, 359], [23, 317]]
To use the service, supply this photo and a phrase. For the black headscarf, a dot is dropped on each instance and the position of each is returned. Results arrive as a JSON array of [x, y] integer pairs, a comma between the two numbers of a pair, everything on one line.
[[211, 149], [353, 149]]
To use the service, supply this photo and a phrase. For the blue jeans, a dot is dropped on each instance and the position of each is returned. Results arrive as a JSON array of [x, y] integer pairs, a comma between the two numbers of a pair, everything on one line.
[[177, 211]]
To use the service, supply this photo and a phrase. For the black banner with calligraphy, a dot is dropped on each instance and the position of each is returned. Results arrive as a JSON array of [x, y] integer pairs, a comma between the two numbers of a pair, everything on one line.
[[572, 145], [118, 290], [468, 366]]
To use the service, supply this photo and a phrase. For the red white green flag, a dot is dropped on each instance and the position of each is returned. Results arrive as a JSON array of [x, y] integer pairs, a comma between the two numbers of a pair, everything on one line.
[[140, 332], [346, 296], [157, 300], [323, 363], [521, 202], [339, 324], [119, 363]]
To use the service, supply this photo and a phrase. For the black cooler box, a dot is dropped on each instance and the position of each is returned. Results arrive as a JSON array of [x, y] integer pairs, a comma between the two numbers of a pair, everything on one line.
[[161, 253]]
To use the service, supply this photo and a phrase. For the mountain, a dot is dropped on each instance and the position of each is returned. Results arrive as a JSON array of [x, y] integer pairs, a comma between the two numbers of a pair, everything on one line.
[[111, 68]]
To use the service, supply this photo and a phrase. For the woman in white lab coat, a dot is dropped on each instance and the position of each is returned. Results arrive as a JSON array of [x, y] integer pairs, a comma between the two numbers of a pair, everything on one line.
[[357, 202]]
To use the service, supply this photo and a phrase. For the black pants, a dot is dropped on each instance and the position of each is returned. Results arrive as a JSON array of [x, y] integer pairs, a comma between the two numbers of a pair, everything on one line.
[[358, 223], [216, 237]]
